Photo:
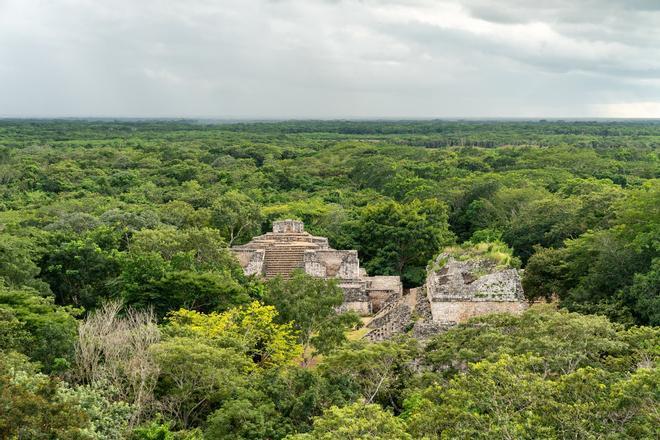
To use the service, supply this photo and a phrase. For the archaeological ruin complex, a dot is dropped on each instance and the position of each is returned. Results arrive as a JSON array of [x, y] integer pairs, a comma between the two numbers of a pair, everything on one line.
[[455, 289], [289, 247]]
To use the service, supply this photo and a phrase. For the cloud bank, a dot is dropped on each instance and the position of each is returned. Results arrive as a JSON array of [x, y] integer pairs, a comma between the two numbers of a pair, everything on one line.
[[330, 59]]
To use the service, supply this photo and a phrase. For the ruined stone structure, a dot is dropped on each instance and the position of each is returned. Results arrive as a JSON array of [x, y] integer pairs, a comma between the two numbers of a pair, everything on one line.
[[456, 289], [454, 292], [459, 290], [289, 247]]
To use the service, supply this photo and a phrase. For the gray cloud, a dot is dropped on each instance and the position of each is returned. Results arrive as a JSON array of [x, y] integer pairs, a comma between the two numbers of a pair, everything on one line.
[[324, 58]]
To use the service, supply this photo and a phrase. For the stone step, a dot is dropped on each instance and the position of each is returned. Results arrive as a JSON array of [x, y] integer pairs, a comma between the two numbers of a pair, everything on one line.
[[281, 269], [287, 270], [286, 261], [286, 251], [283, 259], [289, 246]]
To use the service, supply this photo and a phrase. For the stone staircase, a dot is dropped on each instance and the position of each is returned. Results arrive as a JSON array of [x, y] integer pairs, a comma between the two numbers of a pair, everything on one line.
[[283, 259], [291, 237], [393, 318], [384, 314]]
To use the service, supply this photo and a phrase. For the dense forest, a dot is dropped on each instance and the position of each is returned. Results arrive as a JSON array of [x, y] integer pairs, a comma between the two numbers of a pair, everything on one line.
[[123, 315]]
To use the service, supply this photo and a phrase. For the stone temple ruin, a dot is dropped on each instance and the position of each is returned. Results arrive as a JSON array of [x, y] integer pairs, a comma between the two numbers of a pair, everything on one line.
[[456, 289], [289, 247]]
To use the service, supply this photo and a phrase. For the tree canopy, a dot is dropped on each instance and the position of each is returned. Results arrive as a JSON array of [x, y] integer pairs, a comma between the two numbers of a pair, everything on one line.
[[124, 314]]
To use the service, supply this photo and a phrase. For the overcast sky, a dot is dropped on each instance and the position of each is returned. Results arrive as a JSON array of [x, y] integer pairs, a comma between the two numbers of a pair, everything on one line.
[[330, 58]]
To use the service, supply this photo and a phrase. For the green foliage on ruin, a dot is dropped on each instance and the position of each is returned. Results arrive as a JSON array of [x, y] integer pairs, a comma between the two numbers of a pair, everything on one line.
[[495, 252]]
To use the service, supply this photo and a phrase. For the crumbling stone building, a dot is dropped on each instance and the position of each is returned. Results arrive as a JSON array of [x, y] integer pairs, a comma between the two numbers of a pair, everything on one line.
[[455, 291], [460, 290], [288, 247], [458, 287]]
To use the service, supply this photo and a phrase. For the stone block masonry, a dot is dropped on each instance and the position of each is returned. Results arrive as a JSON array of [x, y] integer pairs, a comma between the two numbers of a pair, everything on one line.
[[454, 292], [288, 247], [454, 312], [252, 260], [460, 290]]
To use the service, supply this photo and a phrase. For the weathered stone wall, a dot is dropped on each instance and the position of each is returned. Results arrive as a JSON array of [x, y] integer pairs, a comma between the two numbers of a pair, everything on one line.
[[362, 308], [382, 288], [454, 312], [356, 297], [354, 290], [460, 290], [288, 227], [455, 291], [330, 263], [252, 260], [471, 280], [378, 298], [385, 282], [313, 265], [321, 242]]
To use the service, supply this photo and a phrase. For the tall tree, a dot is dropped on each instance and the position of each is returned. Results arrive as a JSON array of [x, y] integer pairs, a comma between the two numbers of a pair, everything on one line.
[[358, 421], [237, 216], [311, 305], [400, 239]]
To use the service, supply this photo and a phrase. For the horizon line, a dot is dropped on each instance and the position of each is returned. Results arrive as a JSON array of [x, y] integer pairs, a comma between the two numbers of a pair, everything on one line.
[[257, 119]]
